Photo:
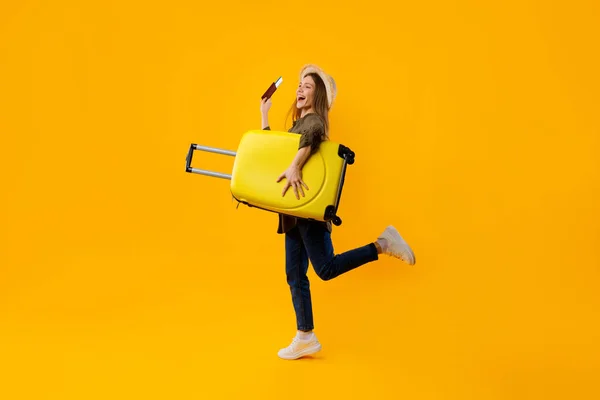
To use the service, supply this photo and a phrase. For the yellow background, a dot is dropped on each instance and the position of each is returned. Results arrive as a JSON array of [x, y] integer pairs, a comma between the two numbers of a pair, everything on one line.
[[476, 132]]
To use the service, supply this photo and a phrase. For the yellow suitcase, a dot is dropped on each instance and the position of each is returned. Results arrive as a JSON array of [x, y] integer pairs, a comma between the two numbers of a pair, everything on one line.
[[260, 159]]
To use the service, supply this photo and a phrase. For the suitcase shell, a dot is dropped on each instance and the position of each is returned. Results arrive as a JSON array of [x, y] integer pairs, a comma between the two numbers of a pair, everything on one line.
[[262, 156]]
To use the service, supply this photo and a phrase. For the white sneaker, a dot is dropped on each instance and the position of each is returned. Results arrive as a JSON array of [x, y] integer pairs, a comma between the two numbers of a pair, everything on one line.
[[300, 347], [395, 246]]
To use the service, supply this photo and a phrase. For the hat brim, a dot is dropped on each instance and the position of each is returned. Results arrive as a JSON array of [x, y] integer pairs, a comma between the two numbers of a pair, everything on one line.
[[327, 80]]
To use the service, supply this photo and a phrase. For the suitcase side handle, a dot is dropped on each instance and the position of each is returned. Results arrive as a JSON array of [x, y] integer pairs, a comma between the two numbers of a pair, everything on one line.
[[190, 155]]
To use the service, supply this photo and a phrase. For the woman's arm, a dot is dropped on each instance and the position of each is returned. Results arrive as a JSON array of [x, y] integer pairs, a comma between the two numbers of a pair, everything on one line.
[[309, 141], [294, 173], [265, 105], [302, 156]]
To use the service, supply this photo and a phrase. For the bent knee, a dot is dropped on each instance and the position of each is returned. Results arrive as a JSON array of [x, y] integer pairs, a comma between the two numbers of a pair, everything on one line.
[[324, 273]]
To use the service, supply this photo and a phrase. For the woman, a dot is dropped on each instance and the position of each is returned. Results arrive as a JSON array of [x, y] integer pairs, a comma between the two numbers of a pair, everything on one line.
[[311, 240]]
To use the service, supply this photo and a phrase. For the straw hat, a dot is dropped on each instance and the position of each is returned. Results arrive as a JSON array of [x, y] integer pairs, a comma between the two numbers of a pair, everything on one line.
[[327, 79]]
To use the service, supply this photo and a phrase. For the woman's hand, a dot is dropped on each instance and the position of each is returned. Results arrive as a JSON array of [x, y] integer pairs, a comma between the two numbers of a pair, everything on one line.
[[294, 179], [265, 105]]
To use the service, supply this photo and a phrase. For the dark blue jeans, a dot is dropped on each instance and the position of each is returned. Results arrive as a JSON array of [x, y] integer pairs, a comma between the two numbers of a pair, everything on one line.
[[310, 240]]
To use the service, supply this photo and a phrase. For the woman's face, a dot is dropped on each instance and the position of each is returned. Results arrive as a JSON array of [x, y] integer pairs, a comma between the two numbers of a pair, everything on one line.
[[305, 93]]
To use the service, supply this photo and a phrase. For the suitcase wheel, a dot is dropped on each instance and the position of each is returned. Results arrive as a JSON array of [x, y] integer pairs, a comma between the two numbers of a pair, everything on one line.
[[330, 215]]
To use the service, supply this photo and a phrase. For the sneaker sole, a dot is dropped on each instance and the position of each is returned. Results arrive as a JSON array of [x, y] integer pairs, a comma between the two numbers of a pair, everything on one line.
[[405, 245], [305, 352]]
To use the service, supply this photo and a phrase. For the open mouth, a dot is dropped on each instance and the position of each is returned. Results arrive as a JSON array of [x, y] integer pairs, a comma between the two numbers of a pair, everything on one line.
[[301, 98]]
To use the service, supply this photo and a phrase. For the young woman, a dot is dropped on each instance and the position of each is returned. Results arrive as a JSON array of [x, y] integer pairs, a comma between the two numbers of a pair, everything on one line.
[[311, 240]]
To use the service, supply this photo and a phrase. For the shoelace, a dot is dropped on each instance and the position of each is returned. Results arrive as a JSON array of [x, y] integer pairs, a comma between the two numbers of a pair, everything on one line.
[[390, 251], [293, 344]]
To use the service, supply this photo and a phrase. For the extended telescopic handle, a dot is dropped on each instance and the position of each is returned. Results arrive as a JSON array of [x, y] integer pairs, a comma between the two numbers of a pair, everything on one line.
[[190, 155]]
